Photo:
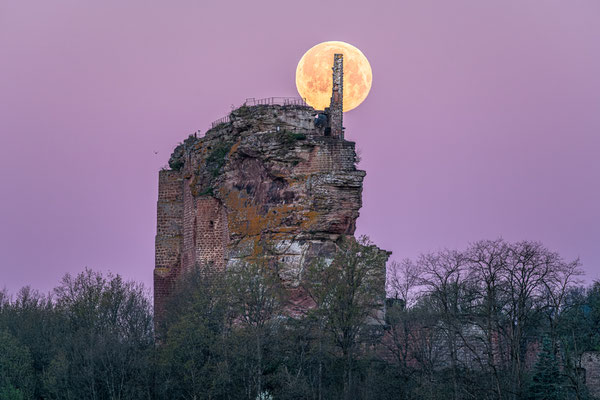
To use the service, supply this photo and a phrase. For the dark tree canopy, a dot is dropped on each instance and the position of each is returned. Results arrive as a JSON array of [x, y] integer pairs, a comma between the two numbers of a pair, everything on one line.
[[498, 320]]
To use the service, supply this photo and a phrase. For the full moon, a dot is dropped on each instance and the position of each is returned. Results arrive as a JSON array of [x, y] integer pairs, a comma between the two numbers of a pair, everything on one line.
[[314, 75]]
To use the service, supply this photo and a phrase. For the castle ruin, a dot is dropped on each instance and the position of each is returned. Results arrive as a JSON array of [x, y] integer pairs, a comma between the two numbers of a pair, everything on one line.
[[275, 170]]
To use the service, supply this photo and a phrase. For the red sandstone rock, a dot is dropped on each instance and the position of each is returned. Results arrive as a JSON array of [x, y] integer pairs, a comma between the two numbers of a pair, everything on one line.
[[267, 176]]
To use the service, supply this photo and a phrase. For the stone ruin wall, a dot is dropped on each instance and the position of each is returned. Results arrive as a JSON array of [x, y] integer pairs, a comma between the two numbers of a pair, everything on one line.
[[169, 236], [590, 369], [267, 175], [336, 107]]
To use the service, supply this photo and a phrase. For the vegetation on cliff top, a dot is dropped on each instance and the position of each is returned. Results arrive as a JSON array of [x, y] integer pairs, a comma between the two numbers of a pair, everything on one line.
[[176, 161], [216, 158]]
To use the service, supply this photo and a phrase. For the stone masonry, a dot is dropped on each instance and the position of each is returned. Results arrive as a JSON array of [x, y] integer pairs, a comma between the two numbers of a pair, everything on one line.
[[337, 106], [270, 175], [590, 365]]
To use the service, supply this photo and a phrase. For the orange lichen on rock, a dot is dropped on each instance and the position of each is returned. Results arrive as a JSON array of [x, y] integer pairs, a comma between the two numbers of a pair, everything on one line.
[[248, 218]]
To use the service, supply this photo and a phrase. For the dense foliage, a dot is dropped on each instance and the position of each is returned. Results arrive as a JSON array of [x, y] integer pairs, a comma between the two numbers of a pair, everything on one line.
[[496, 321]]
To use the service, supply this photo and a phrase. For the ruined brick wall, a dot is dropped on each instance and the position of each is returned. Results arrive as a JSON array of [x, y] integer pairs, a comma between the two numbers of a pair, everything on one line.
[[205, 235], [590, 363], [169, 235], [329, 155], [336, 107], [190, 232]]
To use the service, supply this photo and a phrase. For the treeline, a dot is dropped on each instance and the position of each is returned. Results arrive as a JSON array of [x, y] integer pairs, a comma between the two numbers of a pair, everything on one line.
[[496, 321]]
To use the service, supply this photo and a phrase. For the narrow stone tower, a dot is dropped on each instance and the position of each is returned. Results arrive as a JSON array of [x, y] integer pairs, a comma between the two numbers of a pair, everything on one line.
[[336, 107]]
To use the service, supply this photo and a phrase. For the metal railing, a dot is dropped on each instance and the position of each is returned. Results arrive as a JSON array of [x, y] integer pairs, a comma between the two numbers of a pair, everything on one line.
[[223, 120], [282, 101], [267, 101]]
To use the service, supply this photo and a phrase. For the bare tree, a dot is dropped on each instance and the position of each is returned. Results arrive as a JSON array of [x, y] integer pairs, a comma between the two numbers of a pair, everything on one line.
[[108, 334], [404, 281], [487, 260], [445, 278], [528, 269], [349, 293], [405, 325], [257, 297]]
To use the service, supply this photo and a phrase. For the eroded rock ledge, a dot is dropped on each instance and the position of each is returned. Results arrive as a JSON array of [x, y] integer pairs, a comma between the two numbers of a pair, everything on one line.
[[269, 175]]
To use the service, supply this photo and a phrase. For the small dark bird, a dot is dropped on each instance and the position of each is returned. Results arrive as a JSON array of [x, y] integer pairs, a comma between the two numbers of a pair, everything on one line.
[[155, 152]]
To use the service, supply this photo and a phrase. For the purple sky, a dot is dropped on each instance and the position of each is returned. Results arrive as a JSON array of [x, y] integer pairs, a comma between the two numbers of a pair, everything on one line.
[[483, 119]]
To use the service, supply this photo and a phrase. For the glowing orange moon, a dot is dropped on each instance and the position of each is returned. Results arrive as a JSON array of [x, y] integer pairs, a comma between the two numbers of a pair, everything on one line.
[[314, 75]]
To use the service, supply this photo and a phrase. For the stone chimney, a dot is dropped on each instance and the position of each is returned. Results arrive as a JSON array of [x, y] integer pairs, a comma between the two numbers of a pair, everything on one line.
[[336, 106]]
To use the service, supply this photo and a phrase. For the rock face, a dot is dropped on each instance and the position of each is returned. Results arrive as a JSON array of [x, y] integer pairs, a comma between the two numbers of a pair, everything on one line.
[[268, 175]]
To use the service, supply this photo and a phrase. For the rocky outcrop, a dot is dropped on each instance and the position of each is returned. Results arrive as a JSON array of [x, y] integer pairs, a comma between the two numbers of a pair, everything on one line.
[[269, 176]]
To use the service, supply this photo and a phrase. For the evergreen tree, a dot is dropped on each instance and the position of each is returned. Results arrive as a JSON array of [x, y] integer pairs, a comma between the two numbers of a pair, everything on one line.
[[547, 382]]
